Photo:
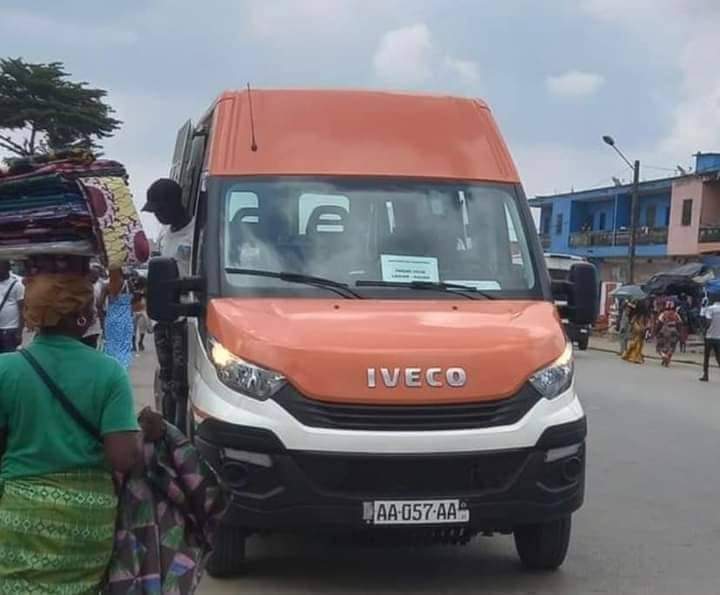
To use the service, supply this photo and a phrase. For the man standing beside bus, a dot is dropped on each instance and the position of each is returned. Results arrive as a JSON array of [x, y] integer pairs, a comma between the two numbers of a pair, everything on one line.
[[12, 294], [164, 200]]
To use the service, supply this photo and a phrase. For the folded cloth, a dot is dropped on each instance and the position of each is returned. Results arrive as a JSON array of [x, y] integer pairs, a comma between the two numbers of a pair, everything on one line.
[[167, 520], [91, 200], [22, 165], [118, 223], [71, 169]]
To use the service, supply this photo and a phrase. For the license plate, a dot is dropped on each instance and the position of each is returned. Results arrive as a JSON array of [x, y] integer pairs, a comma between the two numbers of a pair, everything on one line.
[[415, 512]]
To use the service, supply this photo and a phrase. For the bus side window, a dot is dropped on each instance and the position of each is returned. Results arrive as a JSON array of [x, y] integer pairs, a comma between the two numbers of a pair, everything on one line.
[[192, 172]]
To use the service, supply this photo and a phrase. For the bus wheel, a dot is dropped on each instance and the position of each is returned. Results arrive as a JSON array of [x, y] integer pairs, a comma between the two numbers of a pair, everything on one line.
[[543, 546], [227, 558]]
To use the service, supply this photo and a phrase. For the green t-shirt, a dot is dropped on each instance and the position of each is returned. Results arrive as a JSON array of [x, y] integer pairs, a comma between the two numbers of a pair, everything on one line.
[[42, 438]]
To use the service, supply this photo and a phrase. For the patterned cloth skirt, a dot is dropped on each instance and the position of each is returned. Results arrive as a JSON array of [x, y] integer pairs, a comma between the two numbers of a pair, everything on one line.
[[119, 327], [56, 533]]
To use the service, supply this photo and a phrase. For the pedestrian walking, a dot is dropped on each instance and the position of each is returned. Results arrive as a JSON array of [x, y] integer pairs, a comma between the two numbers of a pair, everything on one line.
[[712, 337], [683, 310], [624, 327], [12, 293], [638, 326], [668, 333], [94, 332], [141, 322], [119, 319], [164, 200], [58, 505]]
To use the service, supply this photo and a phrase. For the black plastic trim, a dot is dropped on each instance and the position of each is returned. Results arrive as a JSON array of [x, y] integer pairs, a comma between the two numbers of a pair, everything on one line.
[[230, 435], [464, 416], [566, 434]]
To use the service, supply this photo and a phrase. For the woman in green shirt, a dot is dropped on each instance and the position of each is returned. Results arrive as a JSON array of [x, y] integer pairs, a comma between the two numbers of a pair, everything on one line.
[[57, 500]]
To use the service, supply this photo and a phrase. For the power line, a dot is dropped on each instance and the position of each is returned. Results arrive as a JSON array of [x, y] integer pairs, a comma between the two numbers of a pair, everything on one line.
[[658, 168]]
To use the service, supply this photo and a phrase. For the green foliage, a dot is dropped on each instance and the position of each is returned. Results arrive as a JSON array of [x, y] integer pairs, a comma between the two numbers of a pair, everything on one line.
[[39, 103]]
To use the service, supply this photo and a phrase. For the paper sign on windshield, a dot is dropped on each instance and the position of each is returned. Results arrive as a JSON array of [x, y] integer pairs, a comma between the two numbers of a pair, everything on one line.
[[405, 269]]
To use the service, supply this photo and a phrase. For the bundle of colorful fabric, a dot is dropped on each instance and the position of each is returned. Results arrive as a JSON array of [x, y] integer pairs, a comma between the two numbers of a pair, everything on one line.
[[167, 520], [70, 203]]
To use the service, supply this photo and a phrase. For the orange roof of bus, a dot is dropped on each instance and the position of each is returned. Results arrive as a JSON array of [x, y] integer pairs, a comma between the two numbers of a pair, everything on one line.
[[357, 133]]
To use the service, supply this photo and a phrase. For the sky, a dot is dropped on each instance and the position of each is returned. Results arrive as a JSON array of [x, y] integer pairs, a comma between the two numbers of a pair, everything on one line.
[[558, 74]]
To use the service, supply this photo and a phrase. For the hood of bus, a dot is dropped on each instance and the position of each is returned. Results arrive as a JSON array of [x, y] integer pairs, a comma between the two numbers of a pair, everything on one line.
[[325, 347]]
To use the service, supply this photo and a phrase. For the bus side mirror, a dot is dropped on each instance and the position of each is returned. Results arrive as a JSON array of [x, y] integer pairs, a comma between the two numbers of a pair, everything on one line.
[[583, 292], [165, 288]]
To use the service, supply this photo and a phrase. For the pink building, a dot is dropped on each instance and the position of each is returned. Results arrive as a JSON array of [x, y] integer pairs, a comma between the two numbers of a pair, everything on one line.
[[694, 228]]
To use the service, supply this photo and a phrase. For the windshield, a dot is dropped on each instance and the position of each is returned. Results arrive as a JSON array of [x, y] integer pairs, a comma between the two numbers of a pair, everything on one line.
[[390, 232]]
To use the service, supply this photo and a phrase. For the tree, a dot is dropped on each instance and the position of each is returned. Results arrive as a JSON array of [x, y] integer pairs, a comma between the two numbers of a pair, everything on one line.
[[41, 110]]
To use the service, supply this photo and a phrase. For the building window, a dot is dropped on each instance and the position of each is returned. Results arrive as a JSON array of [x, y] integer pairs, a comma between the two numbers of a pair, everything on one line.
[[545, 227], [558, 224], [602, 221], [667, 216], [650, 216], [687, 212]]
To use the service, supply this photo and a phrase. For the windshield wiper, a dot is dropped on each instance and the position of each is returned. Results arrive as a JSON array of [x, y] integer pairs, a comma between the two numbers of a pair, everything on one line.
[[454, 288], [342, 289]]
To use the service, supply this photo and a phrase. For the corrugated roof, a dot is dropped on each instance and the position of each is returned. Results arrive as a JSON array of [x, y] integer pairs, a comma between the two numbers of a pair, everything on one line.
[[609, 191], [358, 133]]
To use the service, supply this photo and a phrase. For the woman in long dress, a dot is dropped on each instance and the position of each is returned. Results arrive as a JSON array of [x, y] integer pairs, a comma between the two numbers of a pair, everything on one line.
[[119, 324], [668, 333], [638, 325]]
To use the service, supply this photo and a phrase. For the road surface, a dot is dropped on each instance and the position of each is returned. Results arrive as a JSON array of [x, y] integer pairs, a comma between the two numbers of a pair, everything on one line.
[[650, 524]]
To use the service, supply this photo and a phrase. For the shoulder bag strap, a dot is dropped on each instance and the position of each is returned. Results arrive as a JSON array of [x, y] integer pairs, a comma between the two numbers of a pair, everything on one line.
[[57, 392], [7, 295]]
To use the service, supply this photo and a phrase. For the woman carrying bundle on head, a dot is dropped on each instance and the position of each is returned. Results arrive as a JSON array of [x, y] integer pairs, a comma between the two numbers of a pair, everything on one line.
[[67, 421]]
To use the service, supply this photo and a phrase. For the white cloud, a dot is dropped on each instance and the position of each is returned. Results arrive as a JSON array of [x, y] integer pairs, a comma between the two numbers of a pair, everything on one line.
[[404, 56], [410, 57], [574, 83], [466, 70]]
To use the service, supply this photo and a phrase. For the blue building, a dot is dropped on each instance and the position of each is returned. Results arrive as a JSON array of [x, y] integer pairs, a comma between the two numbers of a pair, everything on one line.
[[595, 223]]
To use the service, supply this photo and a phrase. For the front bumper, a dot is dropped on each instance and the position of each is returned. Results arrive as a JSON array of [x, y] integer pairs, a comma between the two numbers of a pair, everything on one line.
[[275, 488]]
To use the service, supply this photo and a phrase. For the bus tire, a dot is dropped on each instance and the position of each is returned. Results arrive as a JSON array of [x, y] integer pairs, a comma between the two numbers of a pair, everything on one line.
[[543, 546], [227, 558]]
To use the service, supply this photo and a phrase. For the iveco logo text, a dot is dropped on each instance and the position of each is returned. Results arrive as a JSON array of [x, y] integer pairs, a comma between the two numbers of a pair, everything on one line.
[[416, 377]]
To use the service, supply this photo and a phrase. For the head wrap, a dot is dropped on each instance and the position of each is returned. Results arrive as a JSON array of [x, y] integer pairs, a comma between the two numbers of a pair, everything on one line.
[[51, 297]]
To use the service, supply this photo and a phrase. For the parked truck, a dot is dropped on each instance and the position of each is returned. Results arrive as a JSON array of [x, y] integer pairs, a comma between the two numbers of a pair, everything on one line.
[[373, 341]]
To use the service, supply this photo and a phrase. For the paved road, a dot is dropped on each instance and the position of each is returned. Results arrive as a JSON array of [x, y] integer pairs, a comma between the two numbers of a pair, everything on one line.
[[651, 522]]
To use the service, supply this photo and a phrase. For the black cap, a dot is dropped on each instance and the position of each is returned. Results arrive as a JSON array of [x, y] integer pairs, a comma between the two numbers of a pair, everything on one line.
[[161, 190]]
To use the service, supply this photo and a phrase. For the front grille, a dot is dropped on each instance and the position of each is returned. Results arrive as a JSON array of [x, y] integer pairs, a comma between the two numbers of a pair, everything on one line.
[[412, 475], [408, 418]]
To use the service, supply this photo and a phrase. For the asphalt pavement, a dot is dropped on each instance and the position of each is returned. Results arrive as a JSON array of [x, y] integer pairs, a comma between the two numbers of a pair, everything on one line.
[[650, 524]]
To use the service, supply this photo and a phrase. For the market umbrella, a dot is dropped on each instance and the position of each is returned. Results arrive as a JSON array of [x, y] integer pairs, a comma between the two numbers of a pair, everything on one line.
[[629, 292]]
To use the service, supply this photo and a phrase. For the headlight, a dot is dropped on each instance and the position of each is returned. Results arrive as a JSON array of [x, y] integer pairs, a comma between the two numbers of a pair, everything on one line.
[[244, 377], [557, 377]]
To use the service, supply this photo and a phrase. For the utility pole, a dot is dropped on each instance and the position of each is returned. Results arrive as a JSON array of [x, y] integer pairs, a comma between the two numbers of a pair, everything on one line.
[[634, 206]]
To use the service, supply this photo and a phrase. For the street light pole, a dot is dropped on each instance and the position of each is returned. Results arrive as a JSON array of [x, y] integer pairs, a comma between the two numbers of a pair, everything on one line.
[[633, 221], [634, 205]]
